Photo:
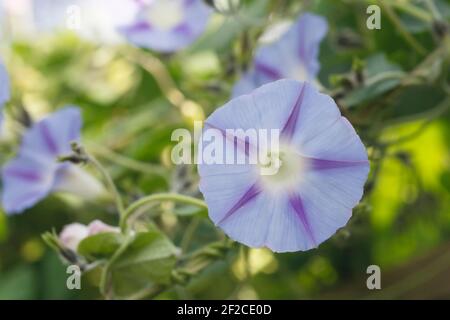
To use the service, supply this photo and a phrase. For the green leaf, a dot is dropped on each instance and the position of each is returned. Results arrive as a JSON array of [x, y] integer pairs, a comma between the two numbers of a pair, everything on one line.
[[101, 245], [415, 100], [367, 93], [378, 63], [148, 261], [381, 77]]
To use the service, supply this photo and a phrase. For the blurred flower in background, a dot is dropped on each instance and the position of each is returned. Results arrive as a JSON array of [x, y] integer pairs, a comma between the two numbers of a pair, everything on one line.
[[168, 25], [36, 172], [291, 54], [93, 20]]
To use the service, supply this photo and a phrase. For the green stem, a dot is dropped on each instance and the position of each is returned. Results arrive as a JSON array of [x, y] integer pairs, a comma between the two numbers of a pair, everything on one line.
[[129, 162], [158, 198], [104, 279], [401, 29], [189, 234], [412, 10], [110, 183], [433, 9]]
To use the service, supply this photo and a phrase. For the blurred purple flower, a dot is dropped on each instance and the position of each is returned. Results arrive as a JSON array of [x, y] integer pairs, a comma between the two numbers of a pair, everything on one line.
[[294, 55], [168, 25], [323, 169], [36, 172], [72, 234], [93, 20]]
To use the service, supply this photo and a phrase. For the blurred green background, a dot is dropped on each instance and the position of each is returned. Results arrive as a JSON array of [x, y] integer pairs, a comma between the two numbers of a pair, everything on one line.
[[400, 108]]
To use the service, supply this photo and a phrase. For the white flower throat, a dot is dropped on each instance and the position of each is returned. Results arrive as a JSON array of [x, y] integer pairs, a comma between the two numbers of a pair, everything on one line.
[[282, 170], [165, 14]]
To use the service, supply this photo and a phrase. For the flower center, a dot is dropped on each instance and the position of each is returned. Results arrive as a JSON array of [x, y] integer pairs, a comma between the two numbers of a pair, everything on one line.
[[299, 72], [282, 170], [165, 14]]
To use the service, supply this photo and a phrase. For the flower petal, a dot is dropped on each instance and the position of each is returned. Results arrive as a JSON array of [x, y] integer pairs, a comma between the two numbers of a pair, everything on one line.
[[297, 49], [269, 221], [144, 33], [268, 107], [51, 137], [224, 185], [338, 142], [26, 180], [75, 180], [317, 116], [328, 198]]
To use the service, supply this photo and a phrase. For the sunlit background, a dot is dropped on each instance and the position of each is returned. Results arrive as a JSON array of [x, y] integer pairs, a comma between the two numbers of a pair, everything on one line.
[[130, 111]]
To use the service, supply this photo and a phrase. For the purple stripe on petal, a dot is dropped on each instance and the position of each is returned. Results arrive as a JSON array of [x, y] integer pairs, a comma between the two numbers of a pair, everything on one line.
[[291, 123], [251, 193], [28, 175], [267, 71], [183, 29], [244, 146], [320, 164], [48, 138], [141, 26], [297, 204]]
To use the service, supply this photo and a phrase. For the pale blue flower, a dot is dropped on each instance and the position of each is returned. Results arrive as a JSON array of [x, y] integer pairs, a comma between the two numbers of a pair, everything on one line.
[[294, 55], [168, 25], [35, 172], [324, 166]]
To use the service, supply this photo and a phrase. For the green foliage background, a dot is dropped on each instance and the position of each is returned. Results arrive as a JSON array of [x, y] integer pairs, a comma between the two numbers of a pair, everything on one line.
[[392, 84]]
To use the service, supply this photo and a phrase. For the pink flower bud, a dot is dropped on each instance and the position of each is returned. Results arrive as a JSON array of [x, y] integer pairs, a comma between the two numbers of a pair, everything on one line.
[[98, 226], [72, 235]]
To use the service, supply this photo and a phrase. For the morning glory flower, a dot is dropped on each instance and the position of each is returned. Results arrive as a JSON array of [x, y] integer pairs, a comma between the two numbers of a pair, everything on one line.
[[72, 234], [322, 170], [168, 25], [293, 55], [36, 172]]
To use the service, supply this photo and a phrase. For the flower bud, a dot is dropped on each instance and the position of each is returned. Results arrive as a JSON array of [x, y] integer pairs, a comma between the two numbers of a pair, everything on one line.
[[72, 235], [97, 226]]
